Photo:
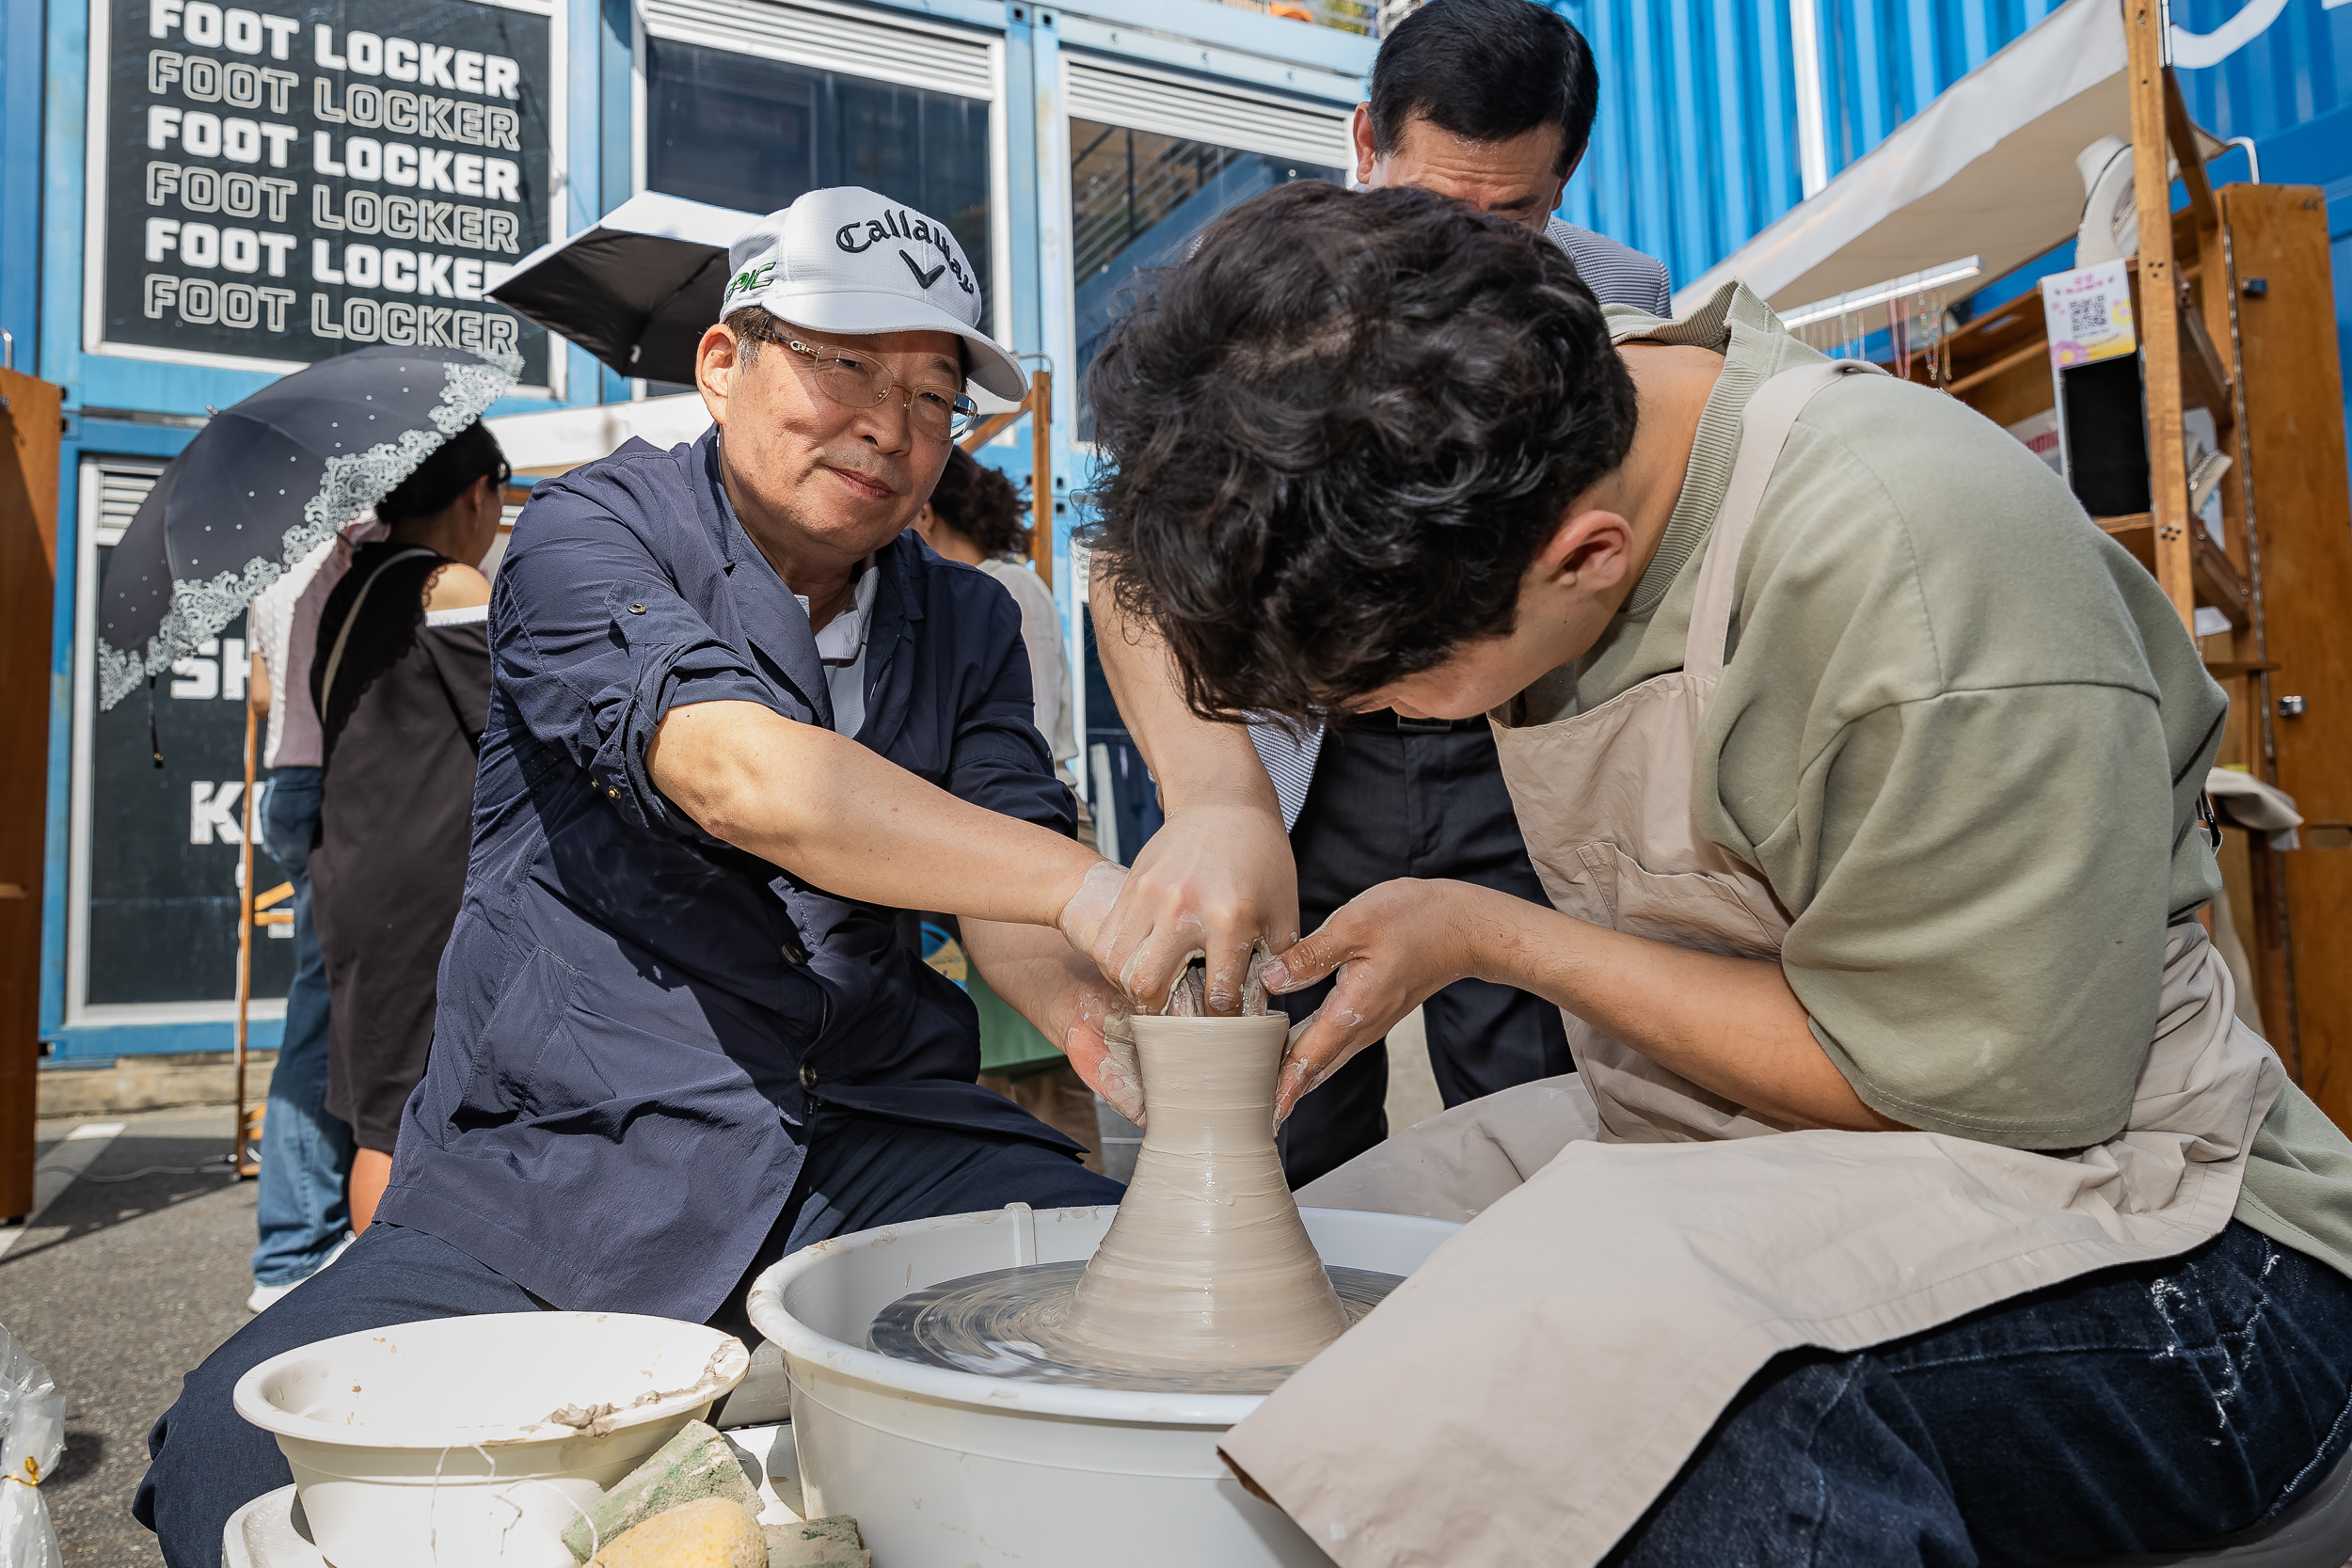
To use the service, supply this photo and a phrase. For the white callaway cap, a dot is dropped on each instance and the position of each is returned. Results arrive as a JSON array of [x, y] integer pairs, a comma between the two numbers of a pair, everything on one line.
[[846, 260]]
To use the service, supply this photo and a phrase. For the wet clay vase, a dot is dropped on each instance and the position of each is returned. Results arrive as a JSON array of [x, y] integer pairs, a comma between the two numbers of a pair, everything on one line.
[[1207, 1263]]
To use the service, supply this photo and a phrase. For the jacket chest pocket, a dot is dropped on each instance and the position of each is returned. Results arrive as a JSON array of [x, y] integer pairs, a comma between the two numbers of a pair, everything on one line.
[[506, 1077]]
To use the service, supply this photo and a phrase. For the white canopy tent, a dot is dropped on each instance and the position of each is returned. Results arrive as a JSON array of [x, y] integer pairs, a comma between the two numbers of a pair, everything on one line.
[[1987, 169]]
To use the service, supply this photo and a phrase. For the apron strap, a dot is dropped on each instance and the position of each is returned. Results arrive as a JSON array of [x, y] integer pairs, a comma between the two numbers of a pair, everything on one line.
[[1764, 427]]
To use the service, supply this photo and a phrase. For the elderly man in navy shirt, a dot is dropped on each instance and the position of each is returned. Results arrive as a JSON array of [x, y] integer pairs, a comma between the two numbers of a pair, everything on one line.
[[741, 719]]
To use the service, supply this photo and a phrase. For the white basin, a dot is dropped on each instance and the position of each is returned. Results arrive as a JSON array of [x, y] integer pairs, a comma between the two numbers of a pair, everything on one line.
[[949, 1470], [475, 1441]]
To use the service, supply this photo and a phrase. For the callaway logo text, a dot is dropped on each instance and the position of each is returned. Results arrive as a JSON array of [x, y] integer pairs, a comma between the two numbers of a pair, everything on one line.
[[857, 238]]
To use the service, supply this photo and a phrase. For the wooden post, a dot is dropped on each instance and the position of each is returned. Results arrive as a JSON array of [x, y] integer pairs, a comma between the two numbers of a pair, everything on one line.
[[2302, 522], [1039, 405], [2159, 303], [1041, 475], [29, 431], [246, 1165]]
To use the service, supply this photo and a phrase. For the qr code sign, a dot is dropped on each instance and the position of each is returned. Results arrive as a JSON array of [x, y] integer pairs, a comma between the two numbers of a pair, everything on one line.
[[2087, 318]]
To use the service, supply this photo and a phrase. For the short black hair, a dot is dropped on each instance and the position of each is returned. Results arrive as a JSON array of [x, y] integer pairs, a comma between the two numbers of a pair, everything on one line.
[[1485, 70], [1334, 439], [444, 475], [980, 503]]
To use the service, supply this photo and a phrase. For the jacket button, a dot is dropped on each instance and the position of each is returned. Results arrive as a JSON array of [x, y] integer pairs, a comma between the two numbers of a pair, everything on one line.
[[637, 610], [808, 1075]]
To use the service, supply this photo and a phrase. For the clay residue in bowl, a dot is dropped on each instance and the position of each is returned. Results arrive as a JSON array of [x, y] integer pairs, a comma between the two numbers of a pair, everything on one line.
[[1013, 1324]]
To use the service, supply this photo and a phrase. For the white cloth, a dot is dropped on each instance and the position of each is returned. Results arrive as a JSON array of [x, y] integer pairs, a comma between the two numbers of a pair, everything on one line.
[[1049, 667], [841, 647], [282, 625]]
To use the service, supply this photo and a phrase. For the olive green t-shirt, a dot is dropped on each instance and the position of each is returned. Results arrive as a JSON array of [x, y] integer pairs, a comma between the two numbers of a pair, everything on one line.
[[1962, 731]]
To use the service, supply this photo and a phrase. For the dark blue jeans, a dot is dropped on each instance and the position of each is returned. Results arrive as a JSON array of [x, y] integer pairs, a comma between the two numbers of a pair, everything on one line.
[[299, 1207], [862, 1171], [2137, 1410]]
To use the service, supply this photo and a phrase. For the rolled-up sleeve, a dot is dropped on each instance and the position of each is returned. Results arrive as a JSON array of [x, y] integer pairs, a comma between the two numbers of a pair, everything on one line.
[[594, 647]]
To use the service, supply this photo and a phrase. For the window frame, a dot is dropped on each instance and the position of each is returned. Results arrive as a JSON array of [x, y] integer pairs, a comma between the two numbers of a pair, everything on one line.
[[989, 46]]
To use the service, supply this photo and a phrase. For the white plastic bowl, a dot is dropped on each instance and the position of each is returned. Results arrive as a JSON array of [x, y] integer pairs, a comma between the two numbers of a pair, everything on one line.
[[475, 1441], [949, 1470]]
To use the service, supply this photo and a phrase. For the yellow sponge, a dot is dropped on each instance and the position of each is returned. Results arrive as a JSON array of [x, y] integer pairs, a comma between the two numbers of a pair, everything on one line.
[[711, 1533]]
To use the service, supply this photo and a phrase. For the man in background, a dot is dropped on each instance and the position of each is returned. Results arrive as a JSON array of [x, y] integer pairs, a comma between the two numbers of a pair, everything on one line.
[[1490, 102]]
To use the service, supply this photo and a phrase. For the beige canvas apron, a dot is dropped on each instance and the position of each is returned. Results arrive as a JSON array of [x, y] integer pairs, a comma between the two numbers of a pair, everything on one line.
[[1642, 1246]]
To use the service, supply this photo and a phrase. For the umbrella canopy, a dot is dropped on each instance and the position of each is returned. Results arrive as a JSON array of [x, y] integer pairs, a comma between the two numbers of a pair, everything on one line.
[[264, 482], [639, 288]]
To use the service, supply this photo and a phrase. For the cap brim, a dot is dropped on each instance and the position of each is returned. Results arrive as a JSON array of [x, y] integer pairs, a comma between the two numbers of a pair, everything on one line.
[[868, 314]]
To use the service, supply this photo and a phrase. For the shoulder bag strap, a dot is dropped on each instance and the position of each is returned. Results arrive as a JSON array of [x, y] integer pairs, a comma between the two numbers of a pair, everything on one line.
[[342, 633]]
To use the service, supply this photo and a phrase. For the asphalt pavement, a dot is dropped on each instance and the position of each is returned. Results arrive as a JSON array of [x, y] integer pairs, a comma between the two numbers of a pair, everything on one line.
[[134, 1273]]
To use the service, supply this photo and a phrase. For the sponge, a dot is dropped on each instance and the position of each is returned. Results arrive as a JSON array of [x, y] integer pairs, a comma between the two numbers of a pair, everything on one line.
[[829, 1543], [708, 1533], [694, 1464]]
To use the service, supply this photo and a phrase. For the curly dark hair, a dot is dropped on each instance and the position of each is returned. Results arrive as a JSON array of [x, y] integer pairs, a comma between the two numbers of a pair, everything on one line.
[[981, 504], [1335, 437]]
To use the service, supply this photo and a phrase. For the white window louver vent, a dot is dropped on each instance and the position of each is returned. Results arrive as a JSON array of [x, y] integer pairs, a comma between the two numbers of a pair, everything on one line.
[[1100, 91], [937, 58], [122, 486]]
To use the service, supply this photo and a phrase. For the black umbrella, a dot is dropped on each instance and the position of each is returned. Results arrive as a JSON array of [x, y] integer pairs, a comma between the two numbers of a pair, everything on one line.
[[264, 482], [639, 288]]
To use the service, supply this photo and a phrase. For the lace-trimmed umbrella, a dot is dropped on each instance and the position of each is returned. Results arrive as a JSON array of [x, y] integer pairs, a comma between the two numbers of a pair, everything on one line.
[[264, 482]]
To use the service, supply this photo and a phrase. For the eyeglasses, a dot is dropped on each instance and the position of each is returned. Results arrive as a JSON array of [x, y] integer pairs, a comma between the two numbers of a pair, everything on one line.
[[855, 381]]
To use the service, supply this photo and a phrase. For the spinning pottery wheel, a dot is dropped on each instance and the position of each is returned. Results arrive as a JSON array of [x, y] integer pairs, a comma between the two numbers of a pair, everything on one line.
[[1206, 1281], [1209, 1279]]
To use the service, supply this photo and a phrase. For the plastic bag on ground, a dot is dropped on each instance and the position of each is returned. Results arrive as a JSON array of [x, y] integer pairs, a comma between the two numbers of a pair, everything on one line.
[[32, 1434]]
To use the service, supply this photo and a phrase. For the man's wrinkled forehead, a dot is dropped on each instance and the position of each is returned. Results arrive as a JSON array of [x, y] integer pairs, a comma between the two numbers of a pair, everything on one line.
[[1516, 178]]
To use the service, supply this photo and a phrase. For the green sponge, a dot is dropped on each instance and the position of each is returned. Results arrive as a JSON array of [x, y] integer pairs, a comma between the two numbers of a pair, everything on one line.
[[694, 1464], [830, 1542]]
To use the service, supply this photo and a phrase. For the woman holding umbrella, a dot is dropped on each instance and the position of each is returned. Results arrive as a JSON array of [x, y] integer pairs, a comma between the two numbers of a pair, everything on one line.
[[262, 486], [403, 690]]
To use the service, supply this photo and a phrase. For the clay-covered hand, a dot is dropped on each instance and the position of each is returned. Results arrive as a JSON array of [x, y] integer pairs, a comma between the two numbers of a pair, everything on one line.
[[1101, 1045], [1213, 880], [1393, 946], [1053, 984]]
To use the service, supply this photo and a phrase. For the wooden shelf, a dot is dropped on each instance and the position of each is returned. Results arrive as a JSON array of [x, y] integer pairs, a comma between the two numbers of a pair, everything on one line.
[[2016, 332], [2203, 383], [2217, 577]]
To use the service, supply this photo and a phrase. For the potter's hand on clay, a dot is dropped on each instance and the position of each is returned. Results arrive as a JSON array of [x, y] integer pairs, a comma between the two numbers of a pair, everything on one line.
[[1101, 1045], [1213, 880], [1097, 1040], [1393, 946], [1045, 977]]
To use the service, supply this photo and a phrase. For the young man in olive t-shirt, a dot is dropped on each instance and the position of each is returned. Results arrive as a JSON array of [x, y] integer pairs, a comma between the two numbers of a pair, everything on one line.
[[1377, 450]]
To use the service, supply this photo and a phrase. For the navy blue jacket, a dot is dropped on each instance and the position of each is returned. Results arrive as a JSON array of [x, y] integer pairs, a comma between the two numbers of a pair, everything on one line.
[[634, 1017]]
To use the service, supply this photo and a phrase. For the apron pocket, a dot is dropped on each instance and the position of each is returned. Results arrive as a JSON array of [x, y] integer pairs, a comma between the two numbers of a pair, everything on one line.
[[1688, 908]]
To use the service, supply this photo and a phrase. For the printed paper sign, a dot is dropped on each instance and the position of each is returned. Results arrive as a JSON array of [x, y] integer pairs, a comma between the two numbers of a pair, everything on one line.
[[2089, 314], [280, 189]]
